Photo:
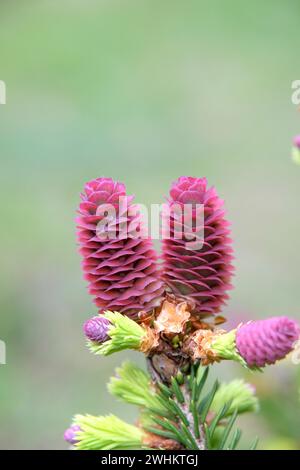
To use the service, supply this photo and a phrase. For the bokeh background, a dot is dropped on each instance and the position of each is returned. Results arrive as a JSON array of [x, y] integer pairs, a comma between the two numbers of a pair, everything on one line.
[[143, 91]]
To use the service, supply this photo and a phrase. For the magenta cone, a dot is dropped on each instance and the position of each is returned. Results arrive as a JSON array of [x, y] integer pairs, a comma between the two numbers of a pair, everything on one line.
[[202, 275], [120, 267], [264, 342]]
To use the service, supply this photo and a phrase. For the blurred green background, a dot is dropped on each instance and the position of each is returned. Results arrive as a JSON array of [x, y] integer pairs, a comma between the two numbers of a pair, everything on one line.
[[143, 91]]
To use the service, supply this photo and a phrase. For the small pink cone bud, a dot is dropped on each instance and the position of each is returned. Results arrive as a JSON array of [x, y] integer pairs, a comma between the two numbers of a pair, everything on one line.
[[70, 434], [96, 329], [264, 342]]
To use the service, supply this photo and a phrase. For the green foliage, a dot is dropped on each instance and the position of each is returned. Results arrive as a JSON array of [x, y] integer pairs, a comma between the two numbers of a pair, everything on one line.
[[180, 411], [131, 384], [124, 333], [226, 432], [107, 433], [239, 394]]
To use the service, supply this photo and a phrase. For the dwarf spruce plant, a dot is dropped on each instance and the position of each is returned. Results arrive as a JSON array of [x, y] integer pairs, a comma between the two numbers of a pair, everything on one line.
[[170, 311]]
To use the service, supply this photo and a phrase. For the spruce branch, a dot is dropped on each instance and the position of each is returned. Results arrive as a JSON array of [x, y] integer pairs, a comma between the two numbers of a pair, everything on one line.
[[123, 333], [180, 411], [172, 315]]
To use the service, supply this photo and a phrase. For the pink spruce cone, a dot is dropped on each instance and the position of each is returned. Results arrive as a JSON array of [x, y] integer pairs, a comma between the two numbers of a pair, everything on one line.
[[121, 269], [201, 274], [264, 342]]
